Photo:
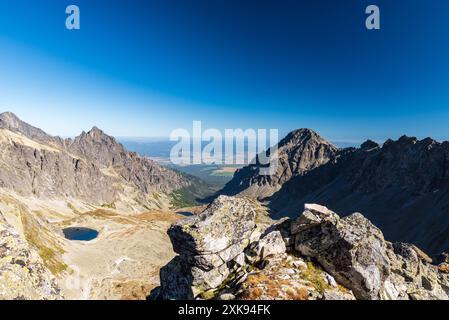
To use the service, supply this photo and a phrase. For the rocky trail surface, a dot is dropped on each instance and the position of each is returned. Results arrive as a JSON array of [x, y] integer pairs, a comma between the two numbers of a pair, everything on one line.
[[234, 251]]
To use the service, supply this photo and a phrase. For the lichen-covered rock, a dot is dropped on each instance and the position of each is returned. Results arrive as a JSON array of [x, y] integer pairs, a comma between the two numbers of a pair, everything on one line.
[[335, 259], [23, 275], [271, 244], [352, 249], [412, 275], [356, 254], [210, 246], [313, 215], [282, 279], [226, 222]]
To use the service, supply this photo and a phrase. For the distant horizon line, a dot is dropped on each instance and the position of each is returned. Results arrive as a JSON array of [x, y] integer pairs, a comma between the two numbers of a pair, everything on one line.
[[162, 138]]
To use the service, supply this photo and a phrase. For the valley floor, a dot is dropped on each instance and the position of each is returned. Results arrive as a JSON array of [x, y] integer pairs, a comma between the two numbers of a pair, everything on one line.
[[123, 262]]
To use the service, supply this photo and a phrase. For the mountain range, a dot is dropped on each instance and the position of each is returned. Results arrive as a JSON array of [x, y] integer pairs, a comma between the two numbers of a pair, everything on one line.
[[259, 234], [49, 184], [402, 186], [91, 167]]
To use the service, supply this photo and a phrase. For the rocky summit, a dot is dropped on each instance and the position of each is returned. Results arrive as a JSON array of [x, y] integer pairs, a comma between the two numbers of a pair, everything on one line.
[[92, 167], [299, 152], [317, 255], [402, 185]]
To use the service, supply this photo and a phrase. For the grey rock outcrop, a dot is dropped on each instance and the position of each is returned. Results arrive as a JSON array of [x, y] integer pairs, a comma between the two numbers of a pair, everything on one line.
[[224, 252], [355, 252], [23, 275], [210, 248], [214, 247]]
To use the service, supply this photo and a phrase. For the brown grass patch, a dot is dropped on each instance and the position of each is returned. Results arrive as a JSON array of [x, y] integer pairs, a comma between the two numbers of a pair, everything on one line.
[[444, 268], [166, 216], [256, 279], [133, 290], [298, 294], [252, 294]]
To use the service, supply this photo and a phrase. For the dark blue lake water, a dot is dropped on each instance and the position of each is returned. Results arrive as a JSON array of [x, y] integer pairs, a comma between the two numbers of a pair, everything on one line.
[[185, 213], [80, 234]]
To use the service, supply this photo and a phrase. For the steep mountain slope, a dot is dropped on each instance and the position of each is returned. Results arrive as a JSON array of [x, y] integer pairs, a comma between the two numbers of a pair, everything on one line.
[[48, 184], [402, 186], [299, 152], [93, 167]]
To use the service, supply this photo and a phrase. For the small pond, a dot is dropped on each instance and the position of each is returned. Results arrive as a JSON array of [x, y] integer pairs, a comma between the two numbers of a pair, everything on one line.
[[80, 234], [185, 213]]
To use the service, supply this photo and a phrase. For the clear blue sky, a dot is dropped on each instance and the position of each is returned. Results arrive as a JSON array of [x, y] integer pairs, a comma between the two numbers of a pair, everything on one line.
[[144, 68]]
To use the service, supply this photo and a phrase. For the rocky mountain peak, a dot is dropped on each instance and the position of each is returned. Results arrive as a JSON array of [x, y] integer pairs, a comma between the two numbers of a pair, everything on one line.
[[405, 138], [299, 152], [303, 136], [304, 149], [93, 166], [369, 145], [97, 134], [10, 121]]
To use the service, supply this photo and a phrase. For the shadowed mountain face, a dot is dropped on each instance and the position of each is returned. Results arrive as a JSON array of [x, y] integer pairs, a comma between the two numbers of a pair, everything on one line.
[[93, 167], [402, 186], [299, 152]]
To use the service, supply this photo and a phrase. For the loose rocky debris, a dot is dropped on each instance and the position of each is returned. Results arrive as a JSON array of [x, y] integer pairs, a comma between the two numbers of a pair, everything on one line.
[[224, 253], [23, 275], [286, 277]]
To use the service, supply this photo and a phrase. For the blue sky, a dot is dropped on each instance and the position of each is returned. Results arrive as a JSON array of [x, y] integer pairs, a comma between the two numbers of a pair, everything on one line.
[[144, 68]]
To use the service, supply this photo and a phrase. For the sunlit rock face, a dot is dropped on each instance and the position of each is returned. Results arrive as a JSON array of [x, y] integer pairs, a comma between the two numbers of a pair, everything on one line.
[[23, 275], [317, 255]]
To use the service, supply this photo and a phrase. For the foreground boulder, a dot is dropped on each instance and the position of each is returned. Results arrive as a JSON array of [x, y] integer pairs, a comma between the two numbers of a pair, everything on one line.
[[352, 249], [211, 247], [23, 275], [217, 235], [355, 252]]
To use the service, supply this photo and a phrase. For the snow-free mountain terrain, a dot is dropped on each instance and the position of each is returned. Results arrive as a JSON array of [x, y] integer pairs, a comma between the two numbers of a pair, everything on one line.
[[402, 186], [48, 184], [233, 248]]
